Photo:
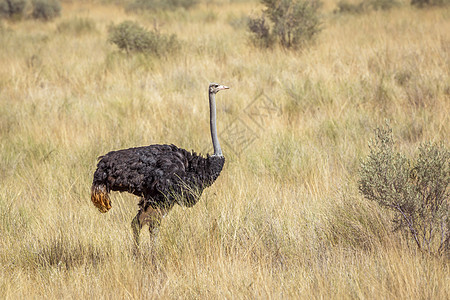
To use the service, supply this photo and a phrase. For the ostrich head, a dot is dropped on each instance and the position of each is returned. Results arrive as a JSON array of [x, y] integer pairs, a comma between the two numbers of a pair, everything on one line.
[[215, 87]]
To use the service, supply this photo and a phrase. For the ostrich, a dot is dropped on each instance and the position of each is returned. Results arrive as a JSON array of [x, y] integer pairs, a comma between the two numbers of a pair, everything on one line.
[[161, 175]]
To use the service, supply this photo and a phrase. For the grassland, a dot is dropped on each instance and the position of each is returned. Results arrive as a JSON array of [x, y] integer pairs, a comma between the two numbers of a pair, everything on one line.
[[284, 219]]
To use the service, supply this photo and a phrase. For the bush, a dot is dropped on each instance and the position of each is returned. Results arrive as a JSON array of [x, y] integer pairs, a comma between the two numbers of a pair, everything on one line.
[[131, 37], [416, 190], [294, 23], [261, 32], [161, 4], [46, 9], [12, 8]]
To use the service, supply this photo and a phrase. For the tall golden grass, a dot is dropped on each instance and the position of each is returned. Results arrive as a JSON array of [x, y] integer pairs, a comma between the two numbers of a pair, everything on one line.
[[284, 219]]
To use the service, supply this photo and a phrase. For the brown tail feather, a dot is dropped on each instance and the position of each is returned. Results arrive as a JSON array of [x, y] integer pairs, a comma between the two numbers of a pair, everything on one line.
[[100, 198]]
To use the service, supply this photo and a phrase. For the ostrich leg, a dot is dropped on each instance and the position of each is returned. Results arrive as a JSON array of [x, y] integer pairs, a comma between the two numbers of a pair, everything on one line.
[[151, 217]]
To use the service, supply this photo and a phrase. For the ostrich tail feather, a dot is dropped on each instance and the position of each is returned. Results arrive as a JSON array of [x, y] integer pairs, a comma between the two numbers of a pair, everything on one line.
[[100, 198]]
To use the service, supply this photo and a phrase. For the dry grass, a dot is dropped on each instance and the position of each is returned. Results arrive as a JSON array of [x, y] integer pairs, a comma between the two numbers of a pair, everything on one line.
[[284, 220]]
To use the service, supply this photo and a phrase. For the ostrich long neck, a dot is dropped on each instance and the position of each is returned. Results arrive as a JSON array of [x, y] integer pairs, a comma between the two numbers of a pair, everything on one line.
[[212, 120]]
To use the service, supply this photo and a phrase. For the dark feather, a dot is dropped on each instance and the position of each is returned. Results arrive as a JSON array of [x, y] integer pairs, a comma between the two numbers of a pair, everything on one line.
[[162, 174]]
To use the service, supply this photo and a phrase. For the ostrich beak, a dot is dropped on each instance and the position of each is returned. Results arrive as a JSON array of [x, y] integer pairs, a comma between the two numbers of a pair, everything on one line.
[[223, 87]]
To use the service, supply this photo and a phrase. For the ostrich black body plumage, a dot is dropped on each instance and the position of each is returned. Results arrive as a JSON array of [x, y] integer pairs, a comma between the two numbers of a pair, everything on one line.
[[162, 175]]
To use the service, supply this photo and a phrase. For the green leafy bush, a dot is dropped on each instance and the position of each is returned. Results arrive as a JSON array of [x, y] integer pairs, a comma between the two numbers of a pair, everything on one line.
[[12, 8], [131, 37], [261, 32], [416, 190], [46, 9], [161, 4], [293, 23]]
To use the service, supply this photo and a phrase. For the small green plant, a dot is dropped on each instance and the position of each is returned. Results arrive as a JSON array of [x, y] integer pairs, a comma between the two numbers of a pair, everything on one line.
[[416, 190], [131, 37], [46, 9], [12, 8], [293, 23]]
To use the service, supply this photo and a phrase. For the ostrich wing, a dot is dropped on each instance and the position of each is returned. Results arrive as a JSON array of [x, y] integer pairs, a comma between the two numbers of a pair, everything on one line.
[[139, 170], [161, 174]]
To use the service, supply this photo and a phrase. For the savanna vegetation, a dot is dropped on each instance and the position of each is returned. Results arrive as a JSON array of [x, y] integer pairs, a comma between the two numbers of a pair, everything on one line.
[[320, 196]]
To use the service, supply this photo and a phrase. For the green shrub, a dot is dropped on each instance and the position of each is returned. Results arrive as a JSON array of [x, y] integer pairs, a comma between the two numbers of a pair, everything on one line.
[[416, 190], [12, 8], [293, 23], [46, 9], [161, 4], [131, 37], [261, 36]]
